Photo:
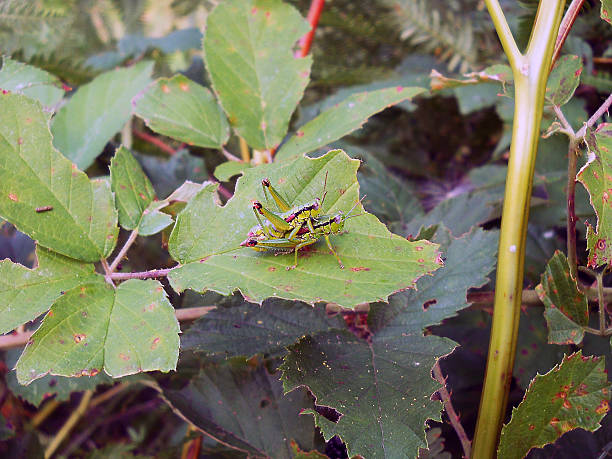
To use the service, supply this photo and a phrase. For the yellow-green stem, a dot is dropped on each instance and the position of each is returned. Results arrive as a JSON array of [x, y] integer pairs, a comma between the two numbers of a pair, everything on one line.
[[530, 74]]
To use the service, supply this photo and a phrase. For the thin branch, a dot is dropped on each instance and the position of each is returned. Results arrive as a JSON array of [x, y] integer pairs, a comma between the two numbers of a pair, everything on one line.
[[230, 156], [69, 424], [314, 13], [567, 127], [601, 302], [123, 250], [107, 272], [504, 33], [564, 29], [155, 141], [154, 273], [593, 119], [450, 411], [186, 314], [244, 151]]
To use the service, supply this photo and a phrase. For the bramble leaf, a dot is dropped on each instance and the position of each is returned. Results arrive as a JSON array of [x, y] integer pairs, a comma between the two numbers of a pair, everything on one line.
[[248, 49], [184, 110], [226, 170], [606, 11], [27, 293], [133, 190], [96, 112], [572, 395], [596, 176], [214, 397], [43, 194], [93, 327], [381, 387], [567, 309], [378, 263], [343, 118], [249, 329], [563, 80], [30, 81]]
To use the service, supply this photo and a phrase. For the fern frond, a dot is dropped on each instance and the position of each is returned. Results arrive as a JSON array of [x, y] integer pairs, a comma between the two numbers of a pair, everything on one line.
[[443, 32]]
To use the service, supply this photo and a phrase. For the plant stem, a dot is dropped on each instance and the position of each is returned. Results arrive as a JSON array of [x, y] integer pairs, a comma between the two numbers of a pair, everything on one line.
[[155, 141], [593, 119], [572, 160], [107, 272], [142, 274], [244, 151], [530, 74], [452, 414], [69, 424], [565, 27], [314, 13], [601, 303], [123, 251]]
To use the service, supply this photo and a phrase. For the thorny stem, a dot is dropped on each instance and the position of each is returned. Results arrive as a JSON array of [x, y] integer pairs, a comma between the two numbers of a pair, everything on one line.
[[123, 251], [153, 273], [69, 424], [593, 119], [466, 444], [314, 13], [564, 29]]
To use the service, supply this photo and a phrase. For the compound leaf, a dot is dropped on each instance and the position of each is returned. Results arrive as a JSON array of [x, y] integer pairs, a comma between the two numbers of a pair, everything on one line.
[[43, 194], [97, 112], [30, 81], [572, 395], [567, 309], [133, 190], [27, 293], [184, 110], [344, 118], [596, 176], [377, 262], [93, 327], [215, 397], [248, 49]]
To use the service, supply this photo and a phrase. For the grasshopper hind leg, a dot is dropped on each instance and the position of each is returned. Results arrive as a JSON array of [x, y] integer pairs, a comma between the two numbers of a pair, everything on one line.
[[330, 247]]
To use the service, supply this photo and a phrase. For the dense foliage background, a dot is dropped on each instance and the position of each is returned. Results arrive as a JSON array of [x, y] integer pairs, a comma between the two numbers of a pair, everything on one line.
[[432, 167]]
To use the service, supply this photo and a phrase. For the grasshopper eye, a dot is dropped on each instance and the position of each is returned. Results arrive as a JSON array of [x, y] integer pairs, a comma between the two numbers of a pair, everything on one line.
[[257, 206], [265, 182]]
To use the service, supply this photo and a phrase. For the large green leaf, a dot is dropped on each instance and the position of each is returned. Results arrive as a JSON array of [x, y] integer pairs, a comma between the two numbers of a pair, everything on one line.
[[248, 49], [30, 81], [382, 387], [344, 118], [567, 309], [184, 110], [27, 293], [97, 112], [572, 395], [596, 176], [563, 80], [43, 194], [244, 407], [93, 327], [133, 190], [250, 329], [377, 262]]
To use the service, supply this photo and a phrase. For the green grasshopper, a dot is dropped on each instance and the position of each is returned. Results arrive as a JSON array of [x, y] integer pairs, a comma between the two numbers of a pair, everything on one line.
[[301, 237]]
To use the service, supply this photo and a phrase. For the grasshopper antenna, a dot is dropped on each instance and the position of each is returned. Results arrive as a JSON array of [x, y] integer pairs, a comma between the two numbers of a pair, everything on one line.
[[324, 189], [348, 214]]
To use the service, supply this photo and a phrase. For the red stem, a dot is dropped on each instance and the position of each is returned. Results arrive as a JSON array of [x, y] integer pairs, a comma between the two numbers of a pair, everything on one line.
[[314, 13], [155, 141], [564, 29]]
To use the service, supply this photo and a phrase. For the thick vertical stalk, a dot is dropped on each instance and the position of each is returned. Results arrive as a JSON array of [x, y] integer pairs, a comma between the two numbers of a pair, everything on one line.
[[530, 74]]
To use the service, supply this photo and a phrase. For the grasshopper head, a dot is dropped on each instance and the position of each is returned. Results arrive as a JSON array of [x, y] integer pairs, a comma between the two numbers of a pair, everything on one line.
[[337, 222], [257, 206], [249, 242]]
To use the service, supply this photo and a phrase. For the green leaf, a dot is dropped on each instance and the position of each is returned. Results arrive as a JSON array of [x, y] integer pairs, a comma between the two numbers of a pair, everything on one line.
[[133, 190], [606, 9], [94, 327], [377, 262], [596, 176], [249, 329], [567, 309], [184, 110], [248, 49], [58, 387], [572, 395], [97, 112], [27, 293], [563, 80], [226, 170], [344, 118], [43, 194], [30, 81], [382, 387], [218, 394]]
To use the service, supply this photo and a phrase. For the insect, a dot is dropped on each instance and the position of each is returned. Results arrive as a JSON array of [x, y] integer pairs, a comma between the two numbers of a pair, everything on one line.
[[299, 237]]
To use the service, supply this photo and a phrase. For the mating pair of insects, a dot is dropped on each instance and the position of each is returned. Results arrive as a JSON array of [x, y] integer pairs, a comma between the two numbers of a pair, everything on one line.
[[293, 228]]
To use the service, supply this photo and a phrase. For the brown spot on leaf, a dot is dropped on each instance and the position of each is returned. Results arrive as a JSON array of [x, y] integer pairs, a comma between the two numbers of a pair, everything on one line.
[[93, 372], [299, 134], [124, 357], [603, 407], [165, 88], [566, 404], [421, 260], [531, 427], [78, 337], [202, 260], [184, 86], [155, 342], [20, 141], [271, 269], [359, 268], [13, 197], [429, 303]]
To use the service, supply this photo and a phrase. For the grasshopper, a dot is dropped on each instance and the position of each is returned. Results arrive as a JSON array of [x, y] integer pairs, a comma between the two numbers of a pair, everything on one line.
[[301, 237]]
